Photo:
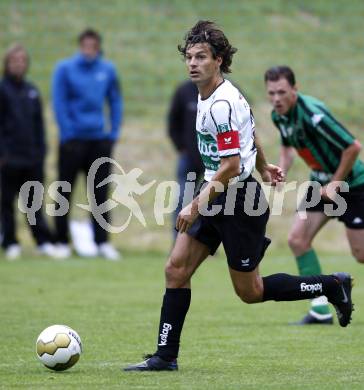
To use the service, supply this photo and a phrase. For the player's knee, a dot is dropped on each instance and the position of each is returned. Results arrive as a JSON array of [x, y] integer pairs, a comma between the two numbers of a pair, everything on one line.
[[250, 296], [175, 272], [358, 254], [298, 243]]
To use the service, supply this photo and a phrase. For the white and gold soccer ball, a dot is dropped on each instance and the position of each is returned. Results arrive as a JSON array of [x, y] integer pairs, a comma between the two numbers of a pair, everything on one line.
[[59, 347]]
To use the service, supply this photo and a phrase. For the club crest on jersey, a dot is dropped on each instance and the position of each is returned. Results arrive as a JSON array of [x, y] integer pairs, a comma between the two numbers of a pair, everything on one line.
[[223, 128]]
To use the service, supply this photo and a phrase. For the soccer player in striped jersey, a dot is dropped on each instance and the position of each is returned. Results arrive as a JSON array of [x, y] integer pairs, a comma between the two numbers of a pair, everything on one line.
[[230, 152], [308, 128]]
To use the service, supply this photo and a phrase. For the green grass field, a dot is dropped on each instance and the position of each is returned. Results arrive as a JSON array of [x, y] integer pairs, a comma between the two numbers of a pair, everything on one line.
[[225, 345]]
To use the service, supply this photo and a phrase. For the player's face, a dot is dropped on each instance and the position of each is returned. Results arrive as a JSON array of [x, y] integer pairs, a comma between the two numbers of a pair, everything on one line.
[[90, 47], [18, 64], [281, 95], [201, 65]]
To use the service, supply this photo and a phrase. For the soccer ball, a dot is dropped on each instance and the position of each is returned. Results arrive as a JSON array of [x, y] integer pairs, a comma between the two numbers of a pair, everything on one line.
[[58, 347]]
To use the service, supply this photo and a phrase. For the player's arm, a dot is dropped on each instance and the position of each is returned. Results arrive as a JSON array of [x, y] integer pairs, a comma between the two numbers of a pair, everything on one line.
[[286, 158], [116, 104], [269, 173], [229, 169], [336, 134], [60, 100], [348, 157]]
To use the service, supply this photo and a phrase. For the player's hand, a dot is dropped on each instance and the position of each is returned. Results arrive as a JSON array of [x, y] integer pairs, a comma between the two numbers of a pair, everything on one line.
[[186, 217], [272, 174], [328, 193]]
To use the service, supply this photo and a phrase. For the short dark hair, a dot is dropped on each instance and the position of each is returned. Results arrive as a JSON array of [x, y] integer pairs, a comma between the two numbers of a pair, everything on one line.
[[89, 33], [205, 31], [278, 72]]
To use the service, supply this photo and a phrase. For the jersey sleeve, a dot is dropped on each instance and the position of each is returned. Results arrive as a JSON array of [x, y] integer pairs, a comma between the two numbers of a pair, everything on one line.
[[328, 127], [283, 135], [228, 143]]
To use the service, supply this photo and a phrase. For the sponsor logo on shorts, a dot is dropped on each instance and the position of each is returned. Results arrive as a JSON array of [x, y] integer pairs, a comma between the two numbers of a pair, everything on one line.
[[316, 287], [245, 262], [357, 220], [164, 335]]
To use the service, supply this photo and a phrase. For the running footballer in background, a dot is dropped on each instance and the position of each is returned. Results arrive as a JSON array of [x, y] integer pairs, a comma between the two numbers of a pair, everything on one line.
[[225, 130], [307, 127]]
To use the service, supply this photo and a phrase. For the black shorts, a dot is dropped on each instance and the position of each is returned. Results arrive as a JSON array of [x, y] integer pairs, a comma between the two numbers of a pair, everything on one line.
[[353, 217], [242, 234]]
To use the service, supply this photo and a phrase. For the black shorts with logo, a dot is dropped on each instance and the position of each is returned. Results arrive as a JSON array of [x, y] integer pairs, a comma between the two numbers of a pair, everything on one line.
[[353, 217], [241, 233]]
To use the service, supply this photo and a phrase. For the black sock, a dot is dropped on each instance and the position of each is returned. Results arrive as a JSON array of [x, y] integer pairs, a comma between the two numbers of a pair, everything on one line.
[[176, 302], [283, 287]]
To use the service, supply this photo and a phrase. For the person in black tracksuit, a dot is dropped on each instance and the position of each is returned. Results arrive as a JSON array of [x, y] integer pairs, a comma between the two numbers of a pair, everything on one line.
[[182, 131], [22, 144]]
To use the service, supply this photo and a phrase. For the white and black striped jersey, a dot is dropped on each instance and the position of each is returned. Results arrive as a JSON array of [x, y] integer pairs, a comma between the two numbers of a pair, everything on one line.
[[225, 127]]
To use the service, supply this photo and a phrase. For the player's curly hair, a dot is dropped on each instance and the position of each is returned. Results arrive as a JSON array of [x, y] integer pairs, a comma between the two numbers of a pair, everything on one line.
[[205, 31]]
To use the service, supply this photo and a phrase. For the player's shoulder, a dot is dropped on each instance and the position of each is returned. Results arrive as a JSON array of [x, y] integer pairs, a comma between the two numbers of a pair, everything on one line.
[[229, 95], [311, 105], [227, 91]]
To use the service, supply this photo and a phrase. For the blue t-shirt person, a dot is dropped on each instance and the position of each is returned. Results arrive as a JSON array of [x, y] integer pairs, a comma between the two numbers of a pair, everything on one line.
[[81, 87]]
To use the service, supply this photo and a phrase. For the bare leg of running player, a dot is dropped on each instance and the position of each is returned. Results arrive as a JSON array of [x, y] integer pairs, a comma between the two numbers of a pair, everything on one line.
[[356, 241]]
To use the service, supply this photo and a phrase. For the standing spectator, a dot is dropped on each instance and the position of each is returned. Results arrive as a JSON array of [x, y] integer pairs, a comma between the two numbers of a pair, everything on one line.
[[22, 149], [182, 130], [82, 85]]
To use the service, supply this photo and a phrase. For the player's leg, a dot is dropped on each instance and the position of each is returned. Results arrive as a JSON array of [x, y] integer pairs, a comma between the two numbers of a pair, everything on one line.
[[40, 230], [300, 240], [353, 219], [10, 182], [187, 254], [100, 149], [71, 155], [243, 237], [252, 288], [356, 241]]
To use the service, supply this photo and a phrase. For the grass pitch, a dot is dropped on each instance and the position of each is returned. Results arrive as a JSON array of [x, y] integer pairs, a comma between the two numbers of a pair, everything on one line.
[[225, 344]]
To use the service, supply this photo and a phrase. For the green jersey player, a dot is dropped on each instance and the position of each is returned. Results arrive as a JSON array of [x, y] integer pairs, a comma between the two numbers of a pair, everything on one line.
[[309, 129], [227, 144]]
